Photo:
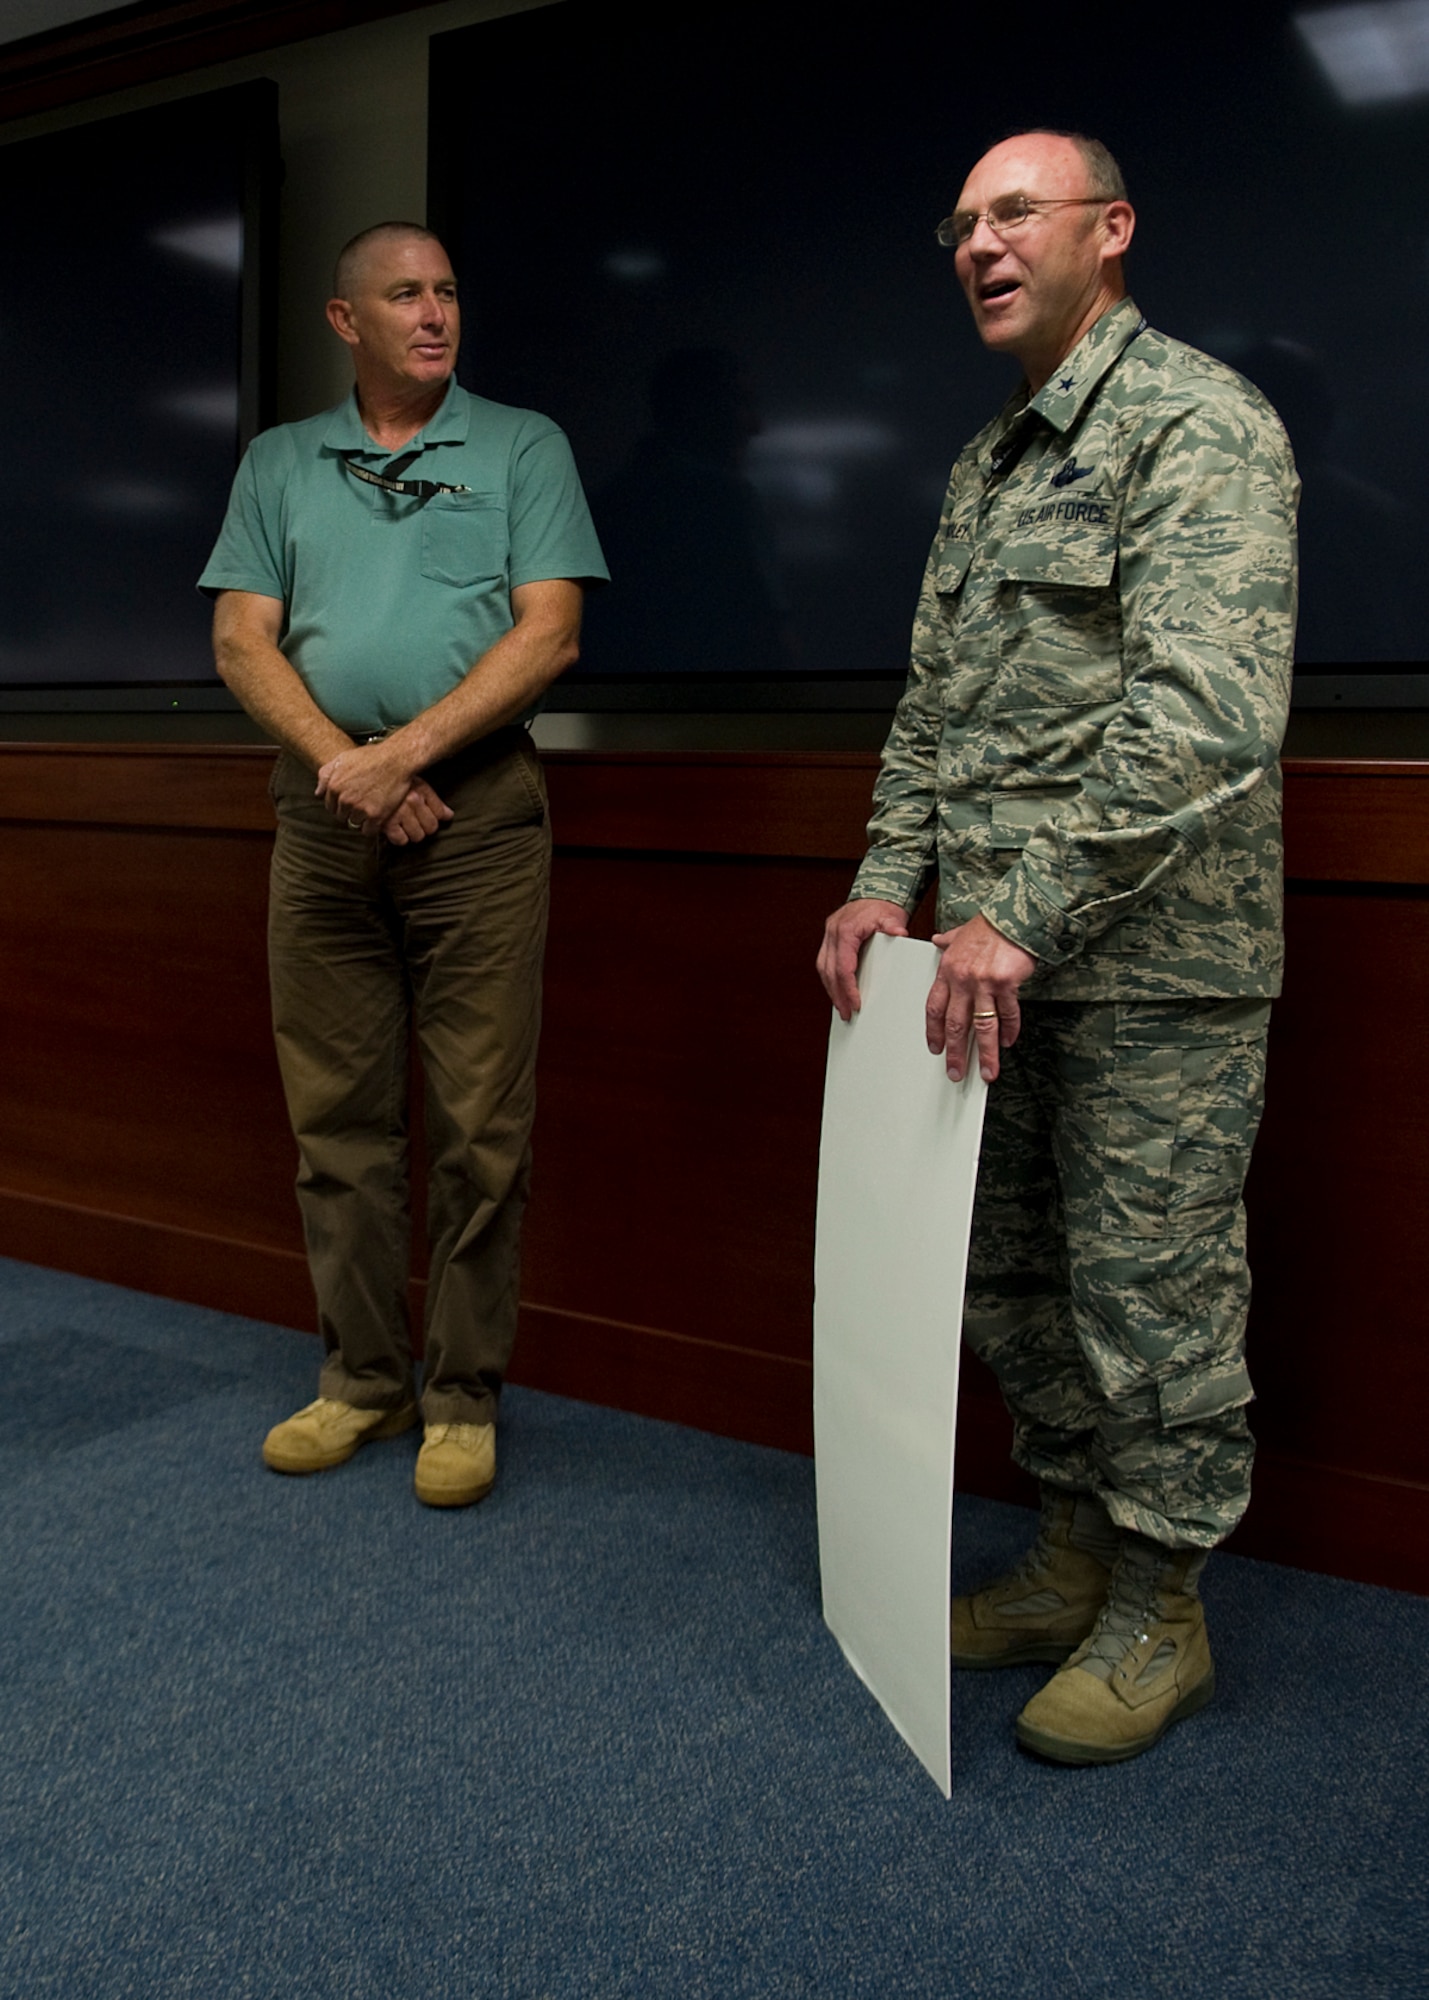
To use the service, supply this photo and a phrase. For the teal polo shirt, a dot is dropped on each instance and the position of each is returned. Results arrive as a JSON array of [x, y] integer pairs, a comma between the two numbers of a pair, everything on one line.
[[389, 599]]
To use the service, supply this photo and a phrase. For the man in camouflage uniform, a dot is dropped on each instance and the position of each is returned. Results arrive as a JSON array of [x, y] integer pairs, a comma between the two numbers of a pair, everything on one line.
[[1086, 752]]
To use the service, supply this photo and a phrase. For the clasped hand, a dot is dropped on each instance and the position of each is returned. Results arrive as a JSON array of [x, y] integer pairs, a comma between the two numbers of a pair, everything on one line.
[[373, 788]]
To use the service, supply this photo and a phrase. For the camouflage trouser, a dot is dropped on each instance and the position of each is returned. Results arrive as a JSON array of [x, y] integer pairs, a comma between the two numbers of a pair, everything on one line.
[[1108, 1285]]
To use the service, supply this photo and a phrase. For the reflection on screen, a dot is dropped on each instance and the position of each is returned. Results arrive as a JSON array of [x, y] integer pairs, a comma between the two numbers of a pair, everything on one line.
[[685, 529], [759, 187], [121, 249]]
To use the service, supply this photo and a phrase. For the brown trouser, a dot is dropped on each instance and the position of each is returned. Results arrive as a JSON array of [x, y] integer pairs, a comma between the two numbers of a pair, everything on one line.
[[367, 941]]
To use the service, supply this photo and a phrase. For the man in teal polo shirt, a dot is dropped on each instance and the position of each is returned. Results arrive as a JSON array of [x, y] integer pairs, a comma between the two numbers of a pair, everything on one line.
[[398, 581]]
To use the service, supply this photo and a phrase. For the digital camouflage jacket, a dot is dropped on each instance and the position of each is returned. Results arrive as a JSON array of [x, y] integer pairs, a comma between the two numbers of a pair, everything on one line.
[[1087, 748]]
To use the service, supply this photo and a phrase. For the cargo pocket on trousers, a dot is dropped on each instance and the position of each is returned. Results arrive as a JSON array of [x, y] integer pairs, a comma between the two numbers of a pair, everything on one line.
[[1140, 1141], [1204, 1391]]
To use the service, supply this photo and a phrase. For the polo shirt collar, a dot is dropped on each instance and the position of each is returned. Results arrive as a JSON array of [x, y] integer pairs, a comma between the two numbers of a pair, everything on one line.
[[449, 424]]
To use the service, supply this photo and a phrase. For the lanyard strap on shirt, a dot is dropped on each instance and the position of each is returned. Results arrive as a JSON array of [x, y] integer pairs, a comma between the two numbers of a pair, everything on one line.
[[391, 482]]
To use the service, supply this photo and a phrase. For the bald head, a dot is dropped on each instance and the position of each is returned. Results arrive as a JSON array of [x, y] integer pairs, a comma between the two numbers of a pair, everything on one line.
[[356, 257], [1104, 176], [1055, 164]]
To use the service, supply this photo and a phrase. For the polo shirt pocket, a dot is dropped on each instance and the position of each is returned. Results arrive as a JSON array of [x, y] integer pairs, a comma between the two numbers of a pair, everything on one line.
[[1060, 626], [464, 538]]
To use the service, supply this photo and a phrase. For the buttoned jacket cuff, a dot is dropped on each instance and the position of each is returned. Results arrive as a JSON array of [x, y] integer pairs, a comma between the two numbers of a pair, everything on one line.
[[1023, 912]]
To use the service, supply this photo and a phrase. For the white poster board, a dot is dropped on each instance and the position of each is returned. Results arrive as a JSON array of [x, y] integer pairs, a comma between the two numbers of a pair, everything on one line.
[[897, 1173]]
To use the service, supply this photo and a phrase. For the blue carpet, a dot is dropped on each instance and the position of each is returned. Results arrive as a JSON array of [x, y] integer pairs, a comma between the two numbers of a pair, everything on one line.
[[304, 1738]]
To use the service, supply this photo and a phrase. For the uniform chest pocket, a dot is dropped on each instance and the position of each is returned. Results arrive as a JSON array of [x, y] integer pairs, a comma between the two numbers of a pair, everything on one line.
[[464, 538], [1059, 620]]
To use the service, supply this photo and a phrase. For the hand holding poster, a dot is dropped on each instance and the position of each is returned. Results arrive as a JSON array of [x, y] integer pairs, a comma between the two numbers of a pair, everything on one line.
[[897, 1173]]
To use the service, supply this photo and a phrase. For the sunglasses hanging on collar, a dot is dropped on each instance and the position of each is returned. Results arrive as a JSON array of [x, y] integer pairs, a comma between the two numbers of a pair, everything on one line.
[[391, 480]]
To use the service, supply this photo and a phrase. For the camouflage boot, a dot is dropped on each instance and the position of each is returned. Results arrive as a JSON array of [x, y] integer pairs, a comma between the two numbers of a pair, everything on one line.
[[1047, 1605], [1146, 1665]]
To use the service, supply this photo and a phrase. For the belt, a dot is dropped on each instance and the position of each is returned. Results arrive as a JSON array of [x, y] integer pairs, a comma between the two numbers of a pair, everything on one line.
[[484, 748]]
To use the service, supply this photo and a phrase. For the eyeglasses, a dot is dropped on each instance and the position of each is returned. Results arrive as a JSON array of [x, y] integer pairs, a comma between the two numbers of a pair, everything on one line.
[[1008, 212]]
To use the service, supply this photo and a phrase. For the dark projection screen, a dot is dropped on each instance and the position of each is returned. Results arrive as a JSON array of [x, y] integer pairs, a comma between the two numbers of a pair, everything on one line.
[[704, 243], [132, 335]]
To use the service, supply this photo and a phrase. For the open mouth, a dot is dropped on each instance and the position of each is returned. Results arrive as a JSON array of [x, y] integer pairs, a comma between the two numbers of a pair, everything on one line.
[[1000, 288]]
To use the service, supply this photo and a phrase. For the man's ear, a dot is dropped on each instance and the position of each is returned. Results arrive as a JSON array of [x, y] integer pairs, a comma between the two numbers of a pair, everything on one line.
[[339, 318], [1118, 226]]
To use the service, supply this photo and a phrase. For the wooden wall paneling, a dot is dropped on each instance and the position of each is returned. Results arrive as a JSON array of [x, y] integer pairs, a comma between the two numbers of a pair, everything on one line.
[[204, 788], [1339, 1189], [669, 1253], [1342, 1521], [677, 1139], [694, 1127], [711, 1386], [1360, 822], [668, 1262], [144, 1138], [121, 1010], [814, 805], [205, 1268], [1339, 1330]]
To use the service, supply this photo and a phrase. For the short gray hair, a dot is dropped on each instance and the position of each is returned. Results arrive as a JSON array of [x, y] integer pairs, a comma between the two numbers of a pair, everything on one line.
[[350, 255]]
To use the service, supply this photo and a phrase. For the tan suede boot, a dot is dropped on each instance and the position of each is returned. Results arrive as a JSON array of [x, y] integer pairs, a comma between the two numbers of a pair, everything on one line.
[[1045, 1607], [327, 1433], [1146, 1665], [456, 1465]]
